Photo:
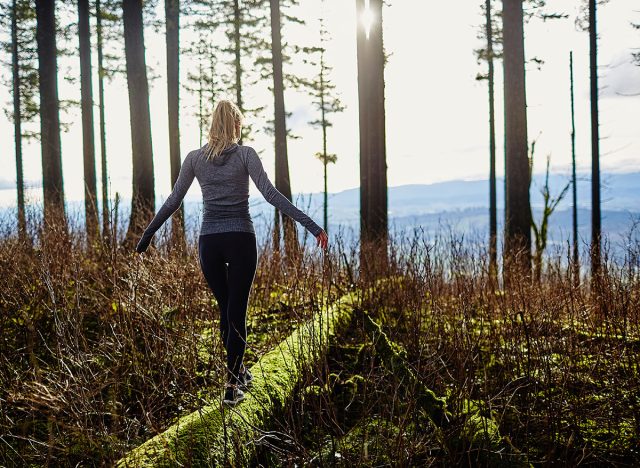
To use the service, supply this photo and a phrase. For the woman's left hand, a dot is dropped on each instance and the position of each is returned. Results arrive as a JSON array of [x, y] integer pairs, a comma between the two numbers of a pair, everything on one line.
[[322, 239]]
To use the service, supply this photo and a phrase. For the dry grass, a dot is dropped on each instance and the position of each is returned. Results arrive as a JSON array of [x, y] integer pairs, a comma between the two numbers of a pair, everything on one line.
[[552, 363], [101, 349]]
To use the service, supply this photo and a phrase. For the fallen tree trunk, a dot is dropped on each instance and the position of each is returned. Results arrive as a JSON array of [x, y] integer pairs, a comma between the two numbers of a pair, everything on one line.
[[218, 435], [392, 356], [476, 431]]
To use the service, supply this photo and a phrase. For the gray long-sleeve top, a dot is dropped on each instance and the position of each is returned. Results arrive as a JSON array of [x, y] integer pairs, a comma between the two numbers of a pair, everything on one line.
[[225, 192]]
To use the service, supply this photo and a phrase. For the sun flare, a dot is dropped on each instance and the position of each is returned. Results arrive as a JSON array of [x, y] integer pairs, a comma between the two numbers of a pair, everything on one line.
[[367, 17]]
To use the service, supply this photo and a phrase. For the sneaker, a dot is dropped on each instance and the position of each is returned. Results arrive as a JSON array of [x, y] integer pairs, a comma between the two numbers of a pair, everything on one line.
[[232, 395], [246, 379]]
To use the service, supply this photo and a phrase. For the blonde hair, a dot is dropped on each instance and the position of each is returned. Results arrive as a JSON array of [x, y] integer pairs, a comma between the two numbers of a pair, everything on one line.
[[224, 128]]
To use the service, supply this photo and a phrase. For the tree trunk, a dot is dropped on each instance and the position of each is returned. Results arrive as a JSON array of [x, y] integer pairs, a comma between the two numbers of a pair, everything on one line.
[[363, 109], [88, 144], [49, 112], [575, 256], [237, 19], [595, 143], [201, 126], [373, 166], [283, 183], [518, 214], [172, 14], [143, 196], [106, 229], [325, 204], [493, 210], [378, 209], [17, 120]]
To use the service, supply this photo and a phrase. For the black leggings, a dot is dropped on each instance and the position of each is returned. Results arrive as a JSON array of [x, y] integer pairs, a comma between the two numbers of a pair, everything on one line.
[[228, 261]]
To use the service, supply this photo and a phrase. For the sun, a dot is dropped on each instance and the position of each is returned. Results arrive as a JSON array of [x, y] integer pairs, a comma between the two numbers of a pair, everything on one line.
[[367, 17]]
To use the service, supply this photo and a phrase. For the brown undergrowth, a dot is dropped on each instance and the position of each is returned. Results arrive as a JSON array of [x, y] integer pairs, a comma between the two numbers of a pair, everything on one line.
[[551, 366], [101, 349]]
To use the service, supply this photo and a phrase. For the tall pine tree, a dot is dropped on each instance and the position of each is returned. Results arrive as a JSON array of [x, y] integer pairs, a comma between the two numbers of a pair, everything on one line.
[[17, 119], [143, 195], [243, 24], [52, 181], [86, 90], [322, 91], [491, 33], [517, 204], [574, 186], [373, 165], [19, 18], [595, 143], [172, 28], [104, 177], [283, 182]]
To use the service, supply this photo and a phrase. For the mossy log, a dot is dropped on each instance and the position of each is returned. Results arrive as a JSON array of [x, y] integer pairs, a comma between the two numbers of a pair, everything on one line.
[[217, 435], [393, 357], [478, 431]]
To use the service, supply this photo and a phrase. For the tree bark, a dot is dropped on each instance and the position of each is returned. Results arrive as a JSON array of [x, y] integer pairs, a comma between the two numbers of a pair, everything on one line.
[[106, 229], [518, 214], [143, 196], [172, 14], [88, 143], [325, 163], [373, 166], [283, 183], [493, 210], [237, 19], [595, 143], [17, 120], [575, 256], [52, 181], [201, 126], [363, 109], [324, 123]]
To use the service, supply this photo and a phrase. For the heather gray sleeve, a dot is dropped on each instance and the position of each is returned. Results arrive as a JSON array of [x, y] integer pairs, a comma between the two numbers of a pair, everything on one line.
[[273, 196], [171, 204]]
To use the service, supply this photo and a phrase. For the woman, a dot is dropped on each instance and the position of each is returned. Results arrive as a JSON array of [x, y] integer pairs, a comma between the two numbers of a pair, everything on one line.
[[227, 237]]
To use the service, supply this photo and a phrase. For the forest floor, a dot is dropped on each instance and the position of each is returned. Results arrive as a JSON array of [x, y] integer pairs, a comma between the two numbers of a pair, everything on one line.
[[101, 349]]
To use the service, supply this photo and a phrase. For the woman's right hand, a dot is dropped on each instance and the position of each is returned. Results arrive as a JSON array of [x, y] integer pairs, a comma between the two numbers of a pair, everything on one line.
[[322, 239]]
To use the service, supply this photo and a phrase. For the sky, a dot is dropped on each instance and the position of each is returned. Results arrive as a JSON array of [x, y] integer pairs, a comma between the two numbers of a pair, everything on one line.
[[436, 111]]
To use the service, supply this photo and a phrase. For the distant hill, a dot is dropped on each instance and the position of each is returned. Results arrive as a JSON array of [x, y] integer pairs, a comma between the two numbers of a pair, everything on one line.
[[619, 192], [463, 205], [460, 204]]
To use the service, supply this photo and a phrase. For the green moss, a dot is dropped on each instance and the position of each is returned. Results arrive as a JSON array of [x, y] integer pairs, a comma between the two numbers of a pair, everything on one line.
[[394, 356], [311, 392], [217, 435], [478, 431], [607, 435], [481, 432], [367, 442]]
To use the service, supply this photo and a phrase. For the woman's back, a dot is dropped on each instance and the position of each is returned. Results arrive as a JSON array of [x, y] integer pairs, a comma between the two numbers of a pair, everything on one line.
[[224, 182]]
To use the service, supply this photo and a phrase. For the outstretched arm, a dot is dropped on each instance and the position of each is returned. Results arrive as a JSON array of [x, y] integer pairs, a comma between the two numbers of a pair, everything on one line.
[[273, 196], [171, 204]]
